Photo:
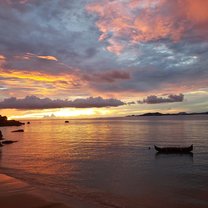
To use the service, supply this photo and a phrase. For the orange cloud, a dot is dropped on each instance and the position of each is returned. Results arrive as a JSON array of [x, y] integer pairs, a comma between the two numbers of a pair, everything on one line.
[[129, 22], [36, 76], [37, 83], [29, 56], [50, 58]]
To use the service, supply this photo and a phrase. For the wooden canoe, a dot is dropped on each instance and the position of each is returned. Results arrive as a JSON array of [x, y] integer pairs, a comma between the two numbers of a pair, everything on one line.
[[174, 149]]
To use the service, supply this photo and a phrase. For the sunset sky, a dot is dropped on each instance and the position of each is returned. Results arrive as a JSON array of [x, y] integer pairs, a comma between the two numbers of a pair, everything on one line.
[[98, 58]]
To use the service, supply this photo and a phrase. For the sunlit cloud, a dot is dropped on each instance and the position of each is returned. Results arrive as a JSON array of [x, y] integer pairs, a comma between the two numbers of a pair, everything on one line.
[[124, 23], [50, 58], [2, 60], [29, 56], [36, 76], [39, 83]]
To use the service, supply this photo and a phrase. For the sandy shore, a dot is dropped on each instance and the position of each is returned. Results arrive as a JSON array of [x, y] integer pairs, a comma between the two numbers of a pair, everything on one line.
[[15, 193]]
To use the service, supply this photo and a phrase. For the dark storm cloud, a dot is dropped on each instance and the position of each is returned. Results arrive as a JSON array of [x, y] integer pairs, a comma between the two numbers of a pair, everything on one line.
[[153, 99], [33, 102]]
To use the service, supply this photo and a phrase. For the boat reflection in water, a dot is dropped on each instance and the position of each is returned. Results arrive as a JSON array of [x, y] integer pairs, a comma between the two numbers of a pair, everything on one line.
[[159, 155], [175, 158]]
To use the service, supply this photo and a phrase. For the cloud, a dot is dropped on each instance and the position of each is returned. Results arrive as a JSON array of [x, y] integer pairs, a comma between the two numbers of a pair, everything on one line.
[[62, 48], [49, 116], [2, 60], [131, 103], [124, 23], [49, 58], [30, 56], [196, 10], [33, 102], [18, 83], [109, 76], [153, 99]]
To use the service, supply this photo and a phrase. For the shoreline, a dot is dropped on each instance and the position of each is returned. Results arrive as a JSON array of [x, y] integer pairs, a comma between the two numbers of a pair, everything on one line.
[[16, 193]]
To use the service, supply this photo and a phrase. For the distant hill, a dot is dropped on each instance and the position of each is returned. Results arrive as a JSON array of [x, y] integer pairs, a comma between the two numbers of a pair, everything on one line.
[[5, 122], [169, 114]]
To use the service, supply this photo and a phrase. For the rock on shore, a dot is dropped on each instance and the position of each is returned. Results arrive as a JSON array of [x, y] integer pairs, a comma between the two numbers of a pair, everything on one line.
[[5, 122]]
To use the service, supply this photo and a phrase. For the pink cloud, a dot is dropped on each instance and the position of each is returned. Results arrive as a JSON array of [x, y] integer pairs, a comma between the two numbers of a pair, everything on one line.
[[195, 10], [134, 21], [2, 60]]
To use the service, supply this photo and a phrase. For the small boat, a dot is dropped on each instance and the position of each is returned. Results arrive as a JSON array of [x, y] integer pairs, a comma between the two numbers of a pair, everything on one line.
[[174, 149], [19, 130], [8, 142]]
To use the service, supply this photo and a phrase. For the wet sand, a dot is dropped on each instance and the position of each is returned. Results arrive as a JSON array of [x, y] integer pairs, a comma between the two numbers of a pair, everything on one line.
[[15, 193]]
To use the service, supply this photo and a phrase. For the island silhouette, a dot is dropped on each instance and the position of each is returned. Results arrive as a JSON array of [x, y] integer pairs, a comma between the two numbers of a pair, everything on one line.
[[169, 114], [5, 122]]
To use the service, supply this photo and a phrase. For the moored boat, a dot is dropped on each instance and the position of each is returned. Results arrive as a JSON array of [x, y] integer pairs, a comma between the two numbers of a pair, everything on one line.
[[174, 149], [19, 130], [8, 142]]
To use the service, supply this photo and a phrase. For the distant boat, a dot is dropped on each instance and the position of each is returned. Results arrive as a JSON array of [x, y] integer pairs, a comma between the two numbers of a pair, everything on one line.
[[8, 142], [19, 130], [66, 121], [174, 149]]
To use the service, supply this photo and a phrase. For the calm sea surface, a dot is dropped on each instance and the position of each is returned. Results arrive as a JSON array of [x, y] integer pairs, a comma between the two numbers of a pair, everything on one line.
[[108, 163]]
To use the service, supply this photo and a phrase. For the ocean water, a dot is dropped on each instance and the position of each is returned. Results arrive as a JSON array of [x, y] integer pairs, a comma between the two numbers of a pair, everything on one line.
[[108, 163]]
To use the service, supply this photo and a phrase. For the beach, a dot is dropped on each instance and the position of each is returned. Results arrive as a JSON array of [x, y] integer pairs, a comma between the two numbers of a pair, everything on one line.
[[15, 193]]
